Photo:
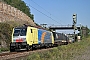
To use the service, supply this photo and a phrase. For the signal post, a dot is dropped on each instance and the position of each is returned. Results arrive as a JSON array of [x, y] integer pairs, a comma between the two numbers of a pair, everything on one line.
[[74, 23]]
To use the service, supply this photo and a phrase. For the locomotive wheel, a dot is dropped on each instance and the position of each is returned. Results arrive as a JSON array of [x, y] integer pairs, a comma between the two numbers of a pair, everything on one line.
[[31, 48], [12, 50], [27, 47]]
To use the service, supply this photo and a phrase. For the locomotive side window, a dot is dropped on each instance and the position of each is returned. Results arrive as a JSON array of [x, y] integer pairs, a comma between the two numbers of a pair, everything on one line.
[[31, 31]]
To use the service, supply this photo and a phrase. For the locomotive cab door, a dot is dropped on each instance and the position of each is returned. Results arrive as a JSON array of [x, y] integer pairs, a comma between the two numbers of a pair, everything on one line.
[[32, 36], [35, 36], [29, 36]]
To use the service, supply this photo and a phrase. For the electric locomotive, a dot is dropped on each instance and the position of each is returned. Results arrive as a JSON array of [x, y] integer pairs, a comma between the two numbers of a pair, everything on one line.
[[28, 38]]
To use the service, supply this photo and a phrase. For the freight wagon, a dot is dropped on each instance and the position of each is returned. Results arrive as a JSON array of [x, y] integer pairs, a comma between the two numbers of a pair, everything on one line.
[[29, 38], [60, 38]]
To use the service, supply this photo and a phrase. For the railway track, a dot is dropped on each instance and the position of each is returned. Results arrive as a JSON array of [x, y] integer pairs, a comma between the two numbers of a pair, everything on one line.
[[13, 55], [7, 53]]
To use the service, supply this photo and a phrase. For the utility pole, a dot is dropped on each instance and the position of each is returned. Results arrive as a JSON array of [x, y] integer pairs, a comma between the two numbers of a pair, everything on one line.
[[74, 23]]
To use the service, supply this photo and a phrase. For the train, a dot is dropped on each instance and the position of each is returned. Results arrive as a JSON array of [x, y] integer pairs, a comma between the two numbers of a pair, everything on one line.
[[60, 38], [28, 37]]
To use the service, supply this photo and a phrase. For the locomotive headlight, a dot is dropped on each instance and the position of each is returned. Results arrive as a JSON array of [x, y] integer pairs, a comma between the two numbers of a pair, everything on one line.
[[63, 41], [70, 40]]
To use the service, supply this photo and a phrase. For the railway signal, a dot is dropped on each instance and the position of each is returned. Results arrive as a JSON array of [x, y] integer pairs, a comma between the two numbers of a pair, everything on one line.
[[74, 22], [74, 18]]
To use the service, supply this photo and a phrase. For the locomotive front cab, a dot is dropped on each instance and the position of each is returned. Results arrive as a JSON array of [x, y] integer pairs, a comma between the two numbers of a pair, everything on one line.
[[18, 39]]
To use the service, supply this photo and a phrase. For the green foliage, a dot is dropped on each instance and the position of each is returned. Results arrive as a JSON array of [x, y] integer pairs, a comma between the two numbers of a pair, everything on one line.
[[4, 49], [21, 5], [5, 32], [87, 30]]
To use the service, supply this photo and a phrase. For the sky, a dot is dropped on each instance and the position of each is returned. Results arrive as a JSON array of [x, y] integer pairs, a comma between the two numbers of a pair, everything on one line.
[[59, 12]]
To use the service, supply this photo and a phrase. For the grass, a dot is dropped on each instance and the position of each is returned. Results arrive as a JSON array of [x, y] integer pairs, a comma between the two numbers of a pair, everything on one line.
[[4, 49], [65, 52]]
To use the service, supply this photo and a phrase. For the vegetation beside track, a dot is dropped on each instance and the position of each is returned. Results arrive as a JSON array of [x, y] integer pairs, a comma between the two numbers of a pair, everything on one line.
[[5, 34], [4, 49], [64, 52]]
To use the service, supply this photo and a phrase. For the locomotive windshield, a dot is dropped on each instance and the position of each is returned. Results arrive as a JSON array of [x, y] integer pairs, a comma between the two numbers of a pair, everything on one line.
[[19, 31]]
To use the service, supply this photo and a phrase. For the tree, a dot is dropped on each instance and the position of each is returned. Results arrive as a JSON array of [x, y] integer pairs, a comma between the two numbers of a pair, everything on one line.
[[85, 30]]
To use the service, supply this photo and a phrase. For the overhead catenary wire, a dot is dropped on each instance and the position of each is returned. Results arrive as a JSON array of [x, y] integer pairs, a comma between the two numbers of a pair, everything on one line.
[[44, 9], [43, 14], [41, 7]]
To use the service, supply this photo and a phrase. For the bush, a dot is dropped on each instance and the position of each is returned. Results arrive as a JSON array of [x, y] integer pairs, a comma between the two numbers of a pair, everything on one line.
[[5, 32], [4, 49]]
